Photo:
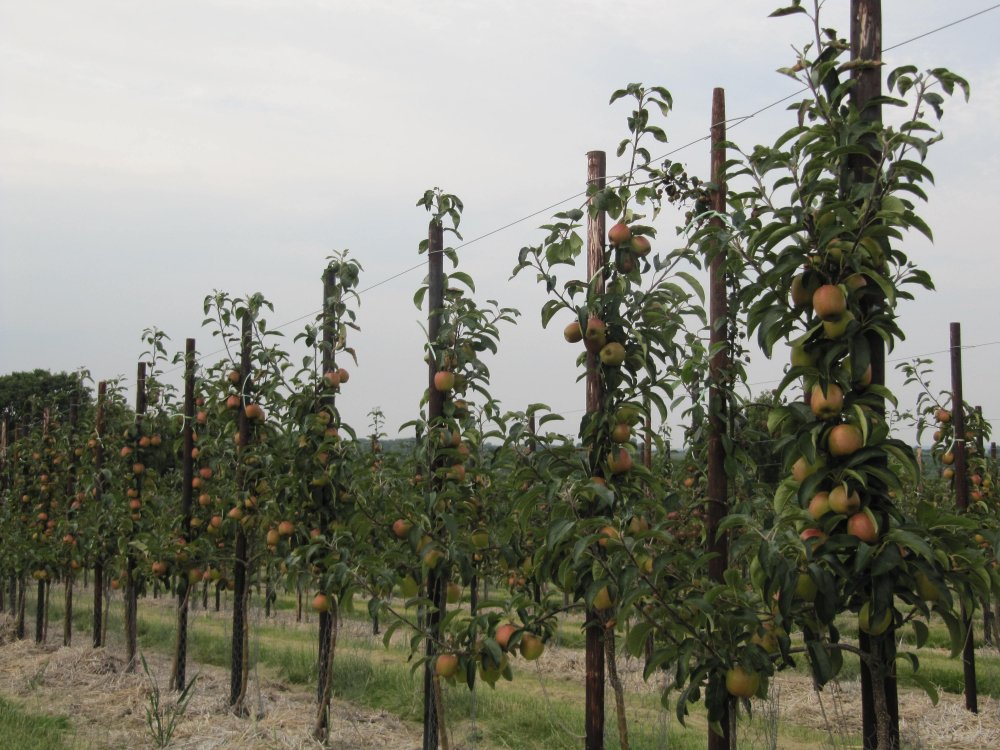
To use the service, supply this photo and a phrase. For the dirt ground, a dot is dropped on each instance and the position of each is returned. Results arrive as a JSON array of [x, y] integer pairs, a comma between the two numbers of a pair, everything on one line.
[[108, 707]]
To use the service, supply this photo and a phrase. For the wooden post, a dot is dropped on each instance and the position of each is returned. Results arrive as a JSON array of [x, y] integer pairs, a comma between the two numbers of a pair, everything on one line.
[[185, 587], [594, 656], [718, 499], [239, 667], [989, 618], [131, 590], [323, 498], [74, 415], [98, 628], [962, 502], [436, 591], [866, 44]]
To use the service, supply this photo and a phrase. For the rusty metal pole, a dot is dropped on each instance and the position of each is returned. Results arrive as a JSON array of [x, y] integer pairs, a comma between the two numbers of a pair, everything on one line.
[[962, 502], [594, 657], [718, 489], [436, 588]]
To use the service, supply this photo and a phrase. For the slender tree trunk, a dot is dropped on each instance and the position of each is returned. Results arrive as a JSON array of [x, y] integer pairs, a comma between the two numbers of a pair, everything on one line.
[[616, 685], [40, 613], [68, 616]]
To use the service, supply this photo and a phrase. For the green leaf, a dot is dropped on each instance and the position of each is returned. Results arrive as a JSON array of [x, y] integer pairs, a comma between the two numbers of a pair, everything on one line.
[[788, 11], [635, 643]]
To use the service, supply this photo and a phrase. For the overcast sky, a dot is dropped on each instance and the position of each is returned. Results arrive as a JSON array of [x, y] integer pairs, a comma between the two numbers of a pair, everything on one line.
[[151, 152]]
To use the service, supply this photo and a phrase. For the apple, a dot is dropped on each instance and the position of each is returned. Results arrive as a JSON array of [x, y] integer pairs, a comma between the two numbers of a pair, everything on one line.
[[331, 379], [805, 587], [480, 538], [802, 469], [845, 439], [503, 634], [254, 412], [205, 472], [621, 433], [595, 336], [432, 558], [862, 525], [641, 246], [454, 593], [233, 402], [573, 333], [286, 528], [343, 374], [159, 569], [829, 302], [444, 381], [814, 535], [876, 628], [609, 534], [801, 292], [321, 603], [620, 462], [602, 600], [943, 416], [926, 588], [401, 528], [619, 234], [826, 404], [837, 327], [819, 506], [273, 537], [844, 502], [612, 354], [740, 683], [233, 376], [446, 665], [408, 587], [531, 646], [948, 458], [769, 640], [637, 525]]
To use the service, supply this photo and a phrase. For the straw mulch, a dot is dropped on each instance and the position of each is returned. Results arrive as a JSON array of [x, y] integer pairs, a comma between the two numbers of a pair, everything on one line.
[[108, 706]]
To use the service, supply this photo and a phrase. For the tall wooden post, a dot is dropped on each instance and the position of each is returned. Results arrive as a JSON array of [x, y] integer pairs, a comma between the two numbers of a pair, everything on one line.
[[866, 44], [718, 498], [323, 498], [98, 628], [962, 502], [131, 588], [239, 667], [74, 460], [185, 587], [594, 657], [436, 590]]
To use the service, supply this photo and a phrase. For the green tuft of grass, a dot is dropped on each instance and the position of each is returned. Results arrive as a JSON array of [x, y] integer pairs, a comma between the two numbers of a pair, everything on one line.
[[27, 731]]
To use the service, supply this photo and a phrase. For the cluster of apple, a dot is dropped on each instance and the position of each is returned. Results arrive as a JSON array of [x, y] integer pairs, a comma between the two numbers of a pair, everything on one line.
[[508, 636], [837, 499], [944, 440]]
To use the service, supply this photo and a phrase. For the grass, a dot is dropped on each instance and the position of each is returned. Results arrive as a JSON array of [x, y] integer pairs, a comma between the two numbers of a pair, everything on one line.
[[27, 731], [533, 712]]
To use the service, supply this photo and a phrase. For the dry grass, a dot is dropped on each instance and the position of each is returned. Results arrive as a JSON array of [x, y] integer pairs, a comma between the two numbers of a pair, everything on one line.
[[108, 706]]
